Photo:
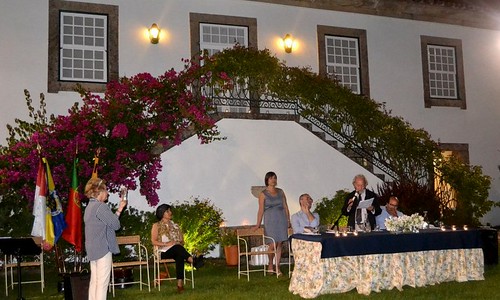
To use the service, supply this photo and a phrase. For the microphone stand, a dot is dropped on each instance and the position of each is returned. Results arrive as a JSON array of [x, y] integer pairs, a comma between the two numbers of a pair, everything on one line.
[[336, 223]]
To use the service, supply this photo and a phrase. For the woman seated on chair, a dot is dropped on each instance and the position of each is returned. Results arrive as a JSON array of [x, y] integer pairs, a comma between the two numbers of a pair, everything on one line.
[[167, 236]]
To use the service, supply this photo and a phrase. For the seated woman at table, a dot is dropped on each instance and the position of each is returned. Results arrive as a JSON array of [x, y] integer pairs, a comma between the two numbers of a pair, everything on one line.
[[168, 237], [304, 218], [388, 211]]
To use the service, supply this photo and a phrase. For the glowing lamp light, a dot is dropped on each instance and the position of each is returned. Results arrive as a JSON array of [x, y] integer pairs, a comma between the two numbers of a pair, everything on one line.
[[288, 43], [154, 34]]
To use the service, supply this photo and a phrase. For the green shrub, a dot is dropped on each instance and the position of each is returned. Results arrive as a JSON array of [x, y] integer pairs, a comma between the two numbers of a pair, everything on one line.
[[16, 218], [200, 221], [470, 201], [329, 210], [228, 237]]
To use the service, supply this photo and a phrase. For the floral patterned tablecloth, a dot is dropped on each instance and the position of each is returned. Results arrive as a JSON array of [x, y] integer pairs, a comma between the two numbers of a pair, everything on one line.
[[313, 276]]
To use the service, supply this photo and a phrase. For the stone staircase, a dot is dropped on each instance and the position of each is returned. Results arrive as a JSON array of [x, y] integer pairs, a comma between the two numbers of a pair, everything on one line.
[[352, 155]]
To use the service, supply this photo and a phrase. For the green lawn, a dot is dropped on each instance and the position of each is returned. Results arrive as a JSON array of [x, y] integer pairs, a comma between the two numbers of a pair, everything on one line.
[[217, 281]]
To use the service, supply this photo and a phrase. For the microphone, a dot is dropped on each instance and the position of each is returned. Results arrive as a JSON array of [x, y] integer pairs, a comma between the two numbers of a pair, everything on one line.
[[356, 195], [336, 223]]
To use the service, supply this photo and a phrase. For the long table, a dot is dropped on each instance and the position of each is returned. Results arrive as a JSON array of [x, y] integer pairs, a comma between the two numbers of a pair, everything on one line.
[[375, 261]]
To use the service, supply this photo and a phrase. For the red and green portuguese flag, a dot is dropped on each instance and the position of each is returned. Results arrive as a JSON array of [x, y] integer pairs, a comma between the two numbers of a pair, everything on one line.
[[73, 232]]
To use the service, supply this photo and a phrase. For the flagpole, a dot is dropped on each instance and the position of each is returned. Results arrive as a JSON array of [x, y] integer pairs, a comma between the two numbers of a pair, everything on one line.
[[74, 233], [96, 162], [75, 268], [77, 254], [74, 259], [39, 204]]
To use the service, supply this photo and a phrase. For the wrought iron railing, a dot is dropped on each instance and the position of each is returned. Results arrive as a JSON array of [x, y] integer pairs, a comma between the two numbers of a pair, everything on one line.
[[350, 144], [241, 101]]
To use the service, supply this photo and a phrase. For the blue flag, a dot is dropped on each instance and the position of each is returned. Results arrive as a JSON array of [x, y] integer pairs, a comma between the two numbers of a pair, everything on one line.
[[54, 204]]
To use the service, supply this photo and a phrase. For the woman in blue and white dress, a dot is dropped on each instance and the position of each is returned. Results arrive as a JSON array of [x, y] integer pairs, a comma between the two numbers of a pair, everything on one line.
[[274, 209]]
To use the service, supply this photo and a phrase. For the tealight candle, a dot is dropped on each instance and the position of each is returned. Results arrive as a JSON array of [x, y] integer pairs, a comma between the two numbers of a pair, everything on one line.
[[465, 227], [344, 233], [355, 233], [443, 228], [453, 227]]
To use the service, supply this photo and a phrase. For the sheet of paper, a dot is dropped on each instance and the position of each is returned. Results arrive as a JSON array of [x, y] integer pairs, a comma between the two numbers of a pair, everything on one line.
[[365, 203]]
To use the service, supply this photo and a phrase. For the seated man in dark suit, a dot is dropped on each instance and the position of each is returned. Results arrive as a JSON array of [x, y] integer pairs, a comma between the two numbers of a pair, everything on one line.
[[352, 200]]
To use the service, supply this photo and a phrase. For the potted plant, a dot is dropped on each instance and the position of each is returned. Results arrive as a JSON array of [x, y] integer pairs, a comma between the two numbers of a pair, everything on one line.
[[229, 241]]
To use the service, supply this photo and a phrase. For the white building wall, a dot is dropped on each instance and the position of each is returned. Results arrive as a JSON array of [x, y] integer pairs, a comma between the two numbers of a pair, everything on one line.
[[395, 78], [224, 171]]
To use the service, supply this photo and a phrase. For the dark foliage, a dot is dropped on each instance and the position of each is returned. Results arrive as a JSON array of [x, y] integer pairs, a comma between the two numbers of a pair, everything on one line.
[[413, 198]]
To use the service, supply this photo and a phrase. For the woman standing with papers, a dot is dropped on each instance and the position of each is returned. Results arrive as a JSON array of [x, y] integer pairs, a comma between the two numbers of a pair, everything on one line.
[[365, 199]]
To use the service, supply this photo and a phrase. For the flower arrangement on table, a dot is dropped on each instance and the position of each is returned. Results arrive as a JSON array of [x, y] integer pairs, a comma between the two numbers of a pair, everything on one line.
[[405, 223]]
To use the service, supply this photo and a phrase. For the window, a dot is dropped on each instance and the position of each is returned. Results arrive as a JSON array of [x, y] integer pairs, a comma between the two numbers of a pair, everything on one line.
[[460, 151], [443, 189], [342, 61], [83, 46], [343, 55], [215, 38], [443, 75], [214, 33]]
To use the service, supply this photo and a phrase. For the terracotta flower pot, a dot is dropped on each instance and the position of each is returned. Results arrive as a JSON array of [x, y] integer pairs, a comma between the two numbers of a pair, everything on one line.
[[231, 254]]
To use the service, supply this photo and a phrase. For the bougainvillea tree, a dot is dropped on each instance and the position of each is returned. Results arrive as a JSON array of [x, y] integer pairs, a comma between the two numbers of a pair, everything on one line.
[[128, 128]]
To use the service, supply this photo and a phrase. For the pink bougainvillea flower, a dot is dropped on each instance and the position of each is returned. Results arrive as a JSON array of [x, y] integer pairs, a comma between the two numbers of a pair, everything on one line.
[[137, 118], [119, 131]]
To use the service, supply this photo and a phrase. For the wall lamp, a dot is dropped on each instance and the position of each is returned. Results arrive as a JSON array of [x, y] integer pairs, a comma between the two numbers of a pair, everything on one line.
[[288, 43], [154, 34]]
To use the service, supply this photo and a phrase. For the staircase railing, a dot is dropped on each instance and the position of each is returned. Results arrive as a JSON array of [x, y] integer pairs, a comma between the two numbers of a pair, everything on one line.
[[349, 143], [240, 101]]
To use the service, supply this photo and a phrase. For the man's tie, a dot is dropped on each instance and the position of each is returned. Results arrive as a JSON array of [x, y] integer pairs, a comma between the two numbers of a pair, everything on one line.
[[359, 216]]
